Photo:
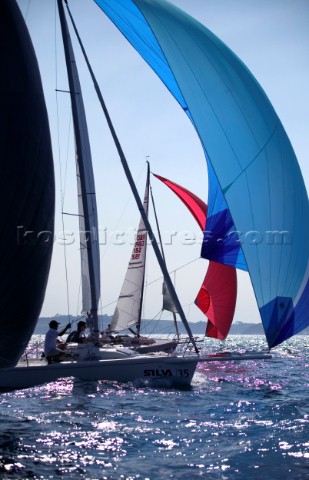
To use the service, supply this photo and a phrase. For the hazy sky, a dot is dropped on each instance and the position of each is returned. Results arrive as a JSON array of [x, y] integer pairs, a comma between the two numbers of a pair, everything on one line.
[[272, 39]]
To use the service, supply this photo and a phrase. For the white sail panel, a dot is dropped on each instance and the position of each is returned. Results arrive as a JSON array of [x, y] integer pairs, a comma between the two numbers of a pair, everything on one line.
[[88, 222], [168, 303], [129, 306]]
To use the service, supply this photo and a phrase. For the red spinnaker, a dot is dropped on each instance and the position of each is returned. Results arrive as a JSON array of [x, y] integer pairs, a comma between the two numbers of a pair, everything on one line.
[[195, 205], [217, 295]]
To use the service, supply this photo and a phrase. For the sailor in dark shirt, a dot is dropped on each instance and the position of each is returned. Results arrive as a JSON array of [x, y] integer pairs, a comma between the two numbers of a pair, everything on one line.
[[78, 336]]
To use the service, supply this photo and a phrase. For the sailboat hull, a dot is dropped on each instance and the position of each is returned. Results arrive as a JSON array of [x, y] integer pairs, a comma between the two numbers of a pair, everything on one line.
[[159, 370]]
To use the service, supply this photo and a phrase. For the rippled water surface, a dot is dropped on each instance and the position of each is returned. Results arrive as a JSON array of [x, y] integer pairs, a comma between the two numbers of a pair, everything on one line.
[[247, 420]]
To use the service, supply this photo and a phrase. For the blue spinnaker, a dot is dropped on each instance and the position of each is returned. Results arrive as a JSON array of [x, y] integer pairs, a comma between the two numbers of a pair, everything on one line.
[[246, 145], [220, 244]]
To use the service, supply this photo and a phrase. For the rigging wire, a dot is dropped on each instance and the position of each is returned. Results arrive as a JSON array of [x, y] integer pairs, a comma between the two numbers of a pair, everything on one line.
[[172, 308], [128, 202], [62, 185], [157, 280], [174, 270]]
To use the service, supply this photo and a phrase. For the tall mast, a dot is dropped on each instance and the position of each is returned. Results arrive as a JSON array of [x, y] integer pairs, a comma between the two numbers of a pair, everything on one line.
[[89, 242], [126, 168], [146, 198]]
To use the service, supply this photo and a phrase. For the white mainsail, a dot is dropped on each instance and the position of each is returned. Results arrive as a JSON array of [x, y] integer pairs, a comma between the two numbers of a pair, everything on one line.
[[129, 305], [88, 222]]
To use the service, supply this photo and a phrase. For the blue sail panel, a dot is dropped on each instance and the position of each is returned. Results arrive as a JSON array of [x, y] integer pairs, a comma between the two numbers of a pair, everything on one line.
[[221, 242], [248, 149], [131, 22]]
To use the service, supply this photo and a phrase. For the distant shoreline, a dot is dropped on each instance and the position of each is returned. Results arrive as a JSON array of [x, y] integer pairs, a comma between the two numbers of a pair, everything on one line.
[[160, 327]]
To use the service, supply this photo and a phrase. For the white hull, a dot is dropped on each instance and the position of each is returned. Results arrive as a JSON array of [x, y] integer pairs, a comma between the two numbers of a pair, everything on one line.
[[157, 370], [167, 370]]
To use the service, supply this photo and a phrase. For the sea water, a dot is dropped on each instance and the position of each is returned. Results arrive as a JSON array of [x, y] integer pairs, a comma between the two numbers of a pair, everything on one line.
[[246, 420]]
